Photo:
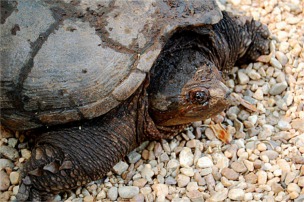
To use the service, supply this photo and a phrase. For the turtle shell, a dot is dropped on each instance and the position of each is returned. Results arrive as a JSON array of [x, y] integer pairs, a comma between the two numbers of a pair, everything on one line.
[[63, 61]]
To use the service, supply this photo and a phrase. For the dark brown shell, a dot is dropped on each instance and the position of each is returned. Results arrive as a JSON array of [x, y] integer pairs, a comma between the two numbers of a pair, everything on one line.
[[62, 62]]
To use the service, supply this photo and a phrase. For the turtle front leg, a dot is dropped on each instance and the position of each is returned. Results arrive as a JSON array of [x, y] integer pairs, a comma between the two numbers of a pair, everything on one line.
[[70, 157]]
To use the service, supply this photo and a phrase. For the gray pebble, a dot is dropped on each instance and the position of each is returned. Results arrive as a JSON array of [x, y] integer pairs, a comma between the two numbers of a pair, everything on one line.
[[113, 193], [242, 77], [120, 167], [128, 191], [9, 152], [4, 163], [133, 157], [170, 180], [271, 154], [278, 88], [12, 142], [5, 181]]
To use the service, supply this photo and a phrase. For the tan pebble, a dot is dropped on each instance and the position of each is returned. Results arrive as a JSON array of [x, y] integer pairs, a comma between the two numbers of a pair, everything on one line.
[[238, 167], [192, 186], [195, 195], [262, 177], [88, 198], [284, 166], [182, 180], [230, 174], [251, 178], [294, 195], [262, 147], [140, 182], [14, 177], [276, 188], [293, 187], [160, 189]]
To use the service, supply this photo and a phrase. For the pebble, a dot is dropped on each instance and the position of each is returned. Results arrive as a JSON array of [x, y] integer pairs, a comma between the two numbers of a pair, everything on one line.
[[112, 193], [242, 78], [204, 162], [160, 189], [278, 88], [186, 157], [5, 181], [219, 196], [275, 63], [182, 180], [238, 167], [284, 125], [284, 166], [147, 172], [236, 194], [271, 154], [120, 167], [133, 157], [251, 178], [230, 174], [254, 75], [88, 198], [262, 177], [14, 177], [6, 163], [128, 191], [140, 182], [187, 171], [293, 187], [194, 196], [258, 94], [9, 152], [192, 186], [170, 180]]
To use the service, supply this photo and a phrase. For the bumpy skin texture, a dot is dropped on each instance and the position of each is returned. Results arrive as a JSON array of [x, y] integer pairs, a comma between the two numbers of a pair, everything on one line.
[[69, 157]]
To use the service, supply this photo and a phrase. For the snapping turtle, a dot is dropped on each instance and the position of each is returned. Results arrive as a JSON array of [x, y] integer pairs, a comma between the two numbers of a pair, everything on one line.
[[97, 79]]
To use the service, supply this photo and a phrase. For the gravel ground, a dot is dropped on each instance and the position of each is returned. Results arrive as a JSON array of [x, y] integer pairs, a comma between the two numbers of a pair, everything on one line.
[[263, 162]]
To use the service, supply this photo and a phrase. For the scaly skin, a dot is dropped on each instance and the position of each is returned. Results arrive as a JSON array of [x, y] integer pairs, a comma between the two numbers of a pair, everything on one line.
[[69, 157]]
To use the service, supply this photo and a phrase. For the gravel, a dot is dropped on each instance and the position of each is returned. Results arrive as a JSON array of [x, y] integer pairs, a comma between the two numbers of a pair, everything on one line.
[[263, 162]]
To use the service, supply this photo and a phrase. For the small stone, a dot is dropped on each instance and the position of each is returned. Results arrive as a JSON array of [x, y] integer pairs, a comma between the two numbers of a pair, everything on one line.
[[139, 182], [128, 191], [5, 181], [158, 149], [145, 154], [12, 142], [101, 195], [14, 177], [276, 188], [160, 189], [182, 180], [219, 196], [278, 88], [186, 157], [258, 94], [204, 162], [198, 178], [173, 164], [133, 157], [270, 154], [6, 163], [195, 196], [249, 165], [284, 125], [248, 197], [120, 167], [282, 58], [164, 157], [187, 171], [9, 152], [88, 198], [192, 186], [138, 198], [251, 178], [145, 190], [254, 75], [170, 180], [238, 167], [275, 63], [262, 177], [147, 172], [293, 187], [288, 98], [301, 181], [25, 153], [284, 166], [242, 78], [230, 174], [236, 194]]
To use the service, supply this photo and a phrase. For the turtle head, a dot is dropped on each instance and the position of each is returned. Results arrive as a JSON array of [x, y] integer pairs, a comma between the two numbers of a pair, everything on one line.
[[186, 98]]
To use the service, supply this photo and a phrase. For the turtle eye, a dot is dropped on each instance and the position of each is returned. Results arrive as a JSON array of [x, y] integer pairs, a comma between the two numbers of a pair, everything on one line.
[[200, 97]]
